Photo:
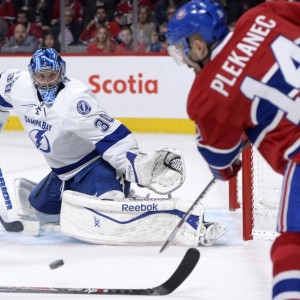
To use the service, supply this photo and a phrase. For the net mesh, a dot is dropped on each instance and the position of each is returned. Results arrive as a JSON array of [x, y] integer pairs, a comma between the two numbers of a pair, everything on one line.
[[266, 192]]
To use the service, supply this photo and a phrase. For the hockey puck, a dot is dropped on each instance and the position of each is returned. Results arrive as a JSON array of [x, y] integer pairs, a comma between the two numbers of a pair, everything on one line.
[[56, 264]]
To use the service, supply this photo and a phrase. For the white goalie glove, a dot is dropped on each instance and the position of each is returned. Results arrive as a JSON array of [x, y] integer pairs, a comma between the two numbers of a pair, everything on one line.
[[162, 171]]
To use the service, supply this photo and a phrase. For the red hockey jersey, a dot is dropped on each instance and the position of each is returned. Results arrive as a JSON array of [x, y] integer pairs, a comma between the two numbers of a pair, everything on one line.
[[251, 85]]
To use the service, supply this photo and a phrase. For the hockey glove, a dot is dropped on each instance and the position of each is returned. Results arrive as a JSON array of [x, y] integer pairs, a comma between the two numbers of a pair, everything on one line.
[[162, 171], [227, 173]]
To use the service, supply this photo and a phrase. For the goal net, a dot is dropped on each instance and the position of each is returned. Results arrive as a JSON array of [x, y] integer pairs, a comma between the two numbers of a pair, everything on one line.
[[257, 190]]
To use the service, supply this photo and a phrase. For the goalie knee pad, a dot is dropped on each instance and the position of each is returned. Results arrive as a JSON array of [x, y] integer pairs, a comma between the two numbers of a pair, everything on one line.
[[25, 211], [129, 221], [23, 188]]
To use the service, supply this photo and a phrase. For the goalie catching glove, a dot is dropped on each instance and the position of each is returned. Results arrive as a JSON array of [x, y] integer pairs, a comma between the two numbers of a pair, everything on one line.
[[162, 171]]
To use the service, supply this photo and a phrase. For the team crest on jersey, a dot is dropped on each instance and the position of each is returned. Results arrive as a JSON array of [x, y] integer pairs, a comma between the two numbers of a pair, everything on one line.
[[40, 140], [83, 107]]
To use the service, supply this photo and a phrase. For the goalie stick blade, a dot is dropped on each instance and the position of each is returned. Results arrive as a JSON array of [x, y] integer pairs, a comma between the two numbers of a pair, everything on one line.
[[184, 269], [15, 226]]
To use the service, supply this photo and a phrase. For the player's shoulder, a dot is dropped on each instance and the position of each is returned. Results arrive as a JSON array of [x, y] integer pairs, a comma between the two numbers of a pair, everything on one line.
[[75, 97]]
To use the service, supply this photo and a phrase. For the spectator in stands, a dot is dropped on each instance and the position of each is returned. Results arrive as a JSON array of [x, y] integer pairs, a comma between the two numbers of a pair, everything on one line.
[[161, 9], [73, 4], [162, 36], [43, 14], [21, 42], [26, 5], [124, 11], [49, 41], [91, 9], [127, 43], [7, 11], [3, 32], [102, 42], [72, 29], [31, 28], [155, 46], [145, 25], [100, 18]]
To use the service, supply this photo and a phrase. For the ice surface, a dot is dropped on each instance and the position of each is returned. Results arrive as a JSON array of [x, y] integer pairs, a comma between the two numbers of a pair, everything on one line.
[[230, 270]]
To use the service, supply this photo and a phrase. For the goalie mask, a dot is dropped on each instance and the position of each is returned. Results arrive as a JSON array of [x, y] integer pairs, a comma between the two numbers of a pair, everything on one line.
[[204, 17], [47, 70]]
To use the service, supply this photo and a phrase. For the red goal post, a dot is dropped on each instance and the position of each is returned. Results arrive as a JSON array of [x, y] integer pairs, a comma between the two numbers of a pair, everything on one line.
[[256, 190]]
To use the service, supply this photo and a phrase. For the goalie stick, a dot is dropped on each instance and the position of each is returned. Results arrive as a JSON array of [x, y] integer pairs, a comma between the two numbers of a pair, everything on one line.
[[184, 269], [11, 226], [186, 215]]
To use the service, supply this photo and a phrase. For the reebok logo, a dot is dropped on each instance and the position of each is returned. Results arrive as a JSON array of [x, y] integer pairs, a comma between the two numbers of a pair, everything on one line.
[[140, 207]]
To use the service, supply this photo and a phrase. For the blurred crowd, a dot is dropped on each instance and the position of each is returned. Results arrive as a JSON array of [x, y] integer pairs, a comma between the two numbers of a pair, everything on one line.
[[94, 26]]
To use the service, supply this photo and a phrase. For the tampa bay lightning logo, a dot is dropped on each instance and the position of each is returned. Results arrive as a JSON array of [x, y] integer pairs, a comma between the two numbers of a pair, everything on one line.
[[83, 107], [40, 140]]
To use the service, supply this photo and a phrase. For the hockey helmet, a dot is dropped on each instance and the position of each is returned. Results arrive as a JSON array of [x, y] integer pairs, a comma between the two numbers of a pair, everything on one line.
[[48, 71], [205, 17]]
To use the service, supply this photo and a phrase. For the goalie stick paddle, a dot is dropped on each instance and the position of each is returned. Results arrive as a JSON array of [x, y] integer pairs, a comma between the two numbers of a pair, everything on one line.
[[12, 226], [184, 269], [188, 212]]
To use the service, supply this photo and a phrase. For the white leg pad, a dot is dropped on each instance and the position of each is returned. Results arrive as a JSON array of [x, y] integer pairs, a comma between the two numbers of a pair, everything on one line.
[[129, 221]]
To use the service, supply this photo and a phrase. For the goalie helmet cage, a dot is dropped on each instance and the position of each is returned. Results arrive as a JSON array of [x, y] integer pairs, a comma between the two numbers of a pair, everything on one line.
[[256, 190]]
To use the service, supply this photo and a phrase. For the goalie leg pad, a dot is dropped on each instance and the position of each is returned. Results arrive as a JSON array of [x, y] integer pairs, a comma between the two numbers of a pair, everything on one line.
[[129, 221]]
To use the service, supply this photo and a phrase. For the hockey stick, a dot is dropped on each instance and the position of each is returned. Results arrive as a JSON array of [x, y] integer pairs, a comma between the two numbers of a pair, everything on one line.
[[14, 224], [186, 215], [11, 226], [184, 269]]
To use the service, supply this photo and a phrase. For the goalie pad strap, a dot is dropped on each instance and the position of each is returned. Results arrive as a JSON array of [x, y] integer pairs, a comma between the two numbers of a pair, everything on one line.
[[136, 221]]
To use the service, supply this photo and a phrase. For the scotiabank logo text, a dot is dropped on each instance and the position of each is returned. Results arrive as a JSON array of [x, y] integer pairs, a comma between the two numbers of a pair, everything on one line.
[[134, 84]]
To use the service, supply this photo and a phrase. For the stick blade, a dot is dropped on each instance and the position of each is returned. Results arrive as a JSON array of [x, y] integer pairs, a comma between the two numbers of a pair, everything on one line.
[[183, 271], [15, 226]]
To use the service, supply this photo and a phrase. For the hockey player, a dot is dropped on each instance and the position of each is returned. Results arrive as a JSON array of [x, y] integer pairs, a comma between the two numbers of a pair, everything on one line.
[[248, 83], [92, 156]]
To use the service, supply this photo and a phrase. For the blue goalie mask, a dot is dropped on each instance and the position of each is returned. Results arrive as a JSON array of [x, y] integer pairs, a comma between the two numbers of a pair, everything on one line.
[[48, 70], [204, 17]]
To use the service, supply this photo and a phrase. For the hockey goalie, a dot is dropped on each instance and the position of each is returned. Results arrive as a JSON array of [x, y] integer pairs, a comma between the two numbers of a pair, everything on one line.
[[94, 158]]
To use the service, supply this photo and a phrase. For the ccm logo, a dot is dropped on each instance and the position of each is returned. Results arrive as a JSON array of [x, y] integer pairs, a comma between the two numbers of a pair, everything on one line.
[[132, 85]]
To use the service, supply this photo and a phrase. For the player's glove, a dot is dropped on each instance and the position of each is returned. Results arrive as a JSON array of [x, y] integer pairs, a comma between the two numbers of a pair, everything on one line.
[[227, 173]]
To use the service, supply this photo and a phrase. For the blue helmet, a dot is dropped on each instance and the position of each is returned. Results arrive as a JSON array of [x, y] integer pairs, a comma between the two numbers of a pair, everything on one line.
[[43, 61], [204, 17]]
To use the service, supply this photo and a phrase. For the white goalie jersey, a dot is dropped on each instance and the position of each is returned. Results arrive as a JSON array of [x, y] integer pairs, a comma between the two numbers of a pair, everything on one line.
[[61, 131]]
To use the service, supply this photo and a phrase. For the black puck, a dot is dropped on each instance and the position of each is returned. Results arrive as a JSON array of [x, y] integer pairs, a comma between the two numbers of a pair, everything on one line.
[[56, 264]]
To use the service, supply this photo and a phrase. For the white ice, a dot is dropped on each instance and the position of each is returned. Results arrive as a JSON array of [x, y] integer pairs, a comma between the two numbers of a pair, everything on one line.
[[232, 269]]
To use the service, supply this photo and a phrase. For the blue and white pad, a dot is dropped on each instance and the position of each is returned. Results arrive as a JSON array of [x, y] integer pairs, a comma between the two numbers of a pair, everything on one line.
[[128, 221]]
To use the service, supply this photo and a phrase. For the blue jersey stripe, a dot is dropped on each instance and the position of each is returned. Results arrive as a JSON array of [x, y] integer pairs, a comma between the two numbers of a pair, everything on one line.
[[119, 134], [3, 103], [218, 159], [287, 285], [76, 165]]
